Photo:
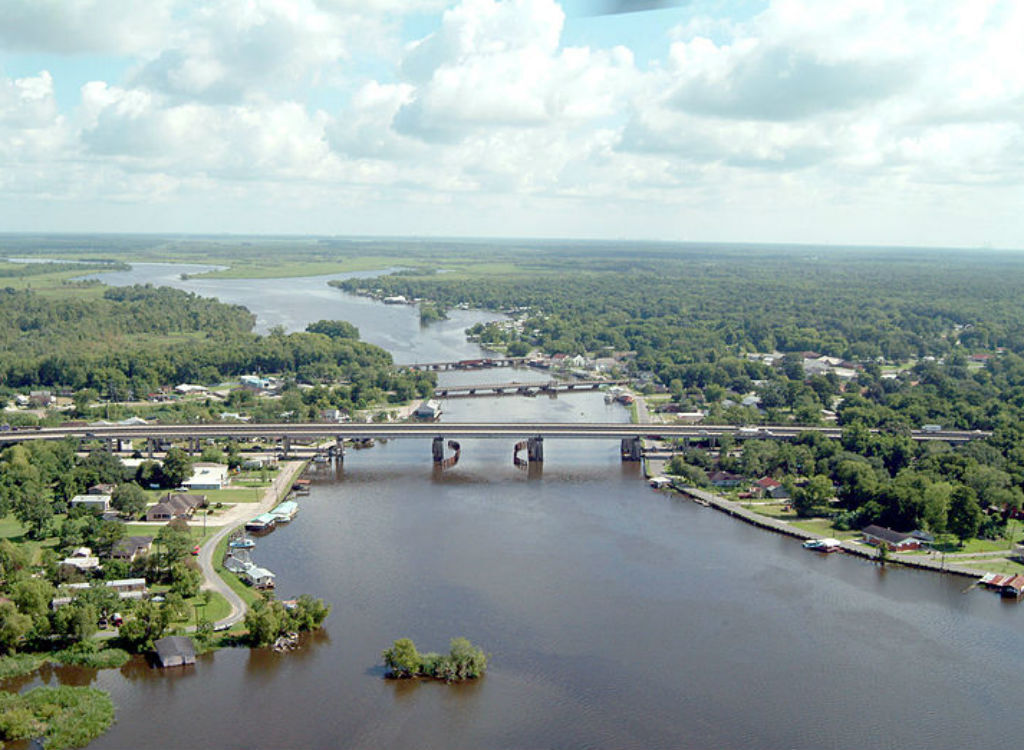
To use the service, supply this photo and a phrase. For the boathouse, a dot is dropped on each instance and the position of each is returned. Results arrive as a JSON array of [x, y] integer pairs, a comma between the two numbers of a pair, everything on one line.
[[175, 651]]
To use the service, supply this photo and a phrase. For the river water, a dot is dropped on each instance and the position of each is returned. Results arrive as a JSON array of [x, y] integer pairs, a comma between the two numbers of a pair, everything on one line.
[[615, 616]]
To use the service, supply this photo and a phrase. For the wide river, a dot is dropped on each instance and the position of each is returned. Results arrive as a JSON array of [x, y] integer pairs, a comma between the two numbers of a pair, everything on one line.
[[615, 616]]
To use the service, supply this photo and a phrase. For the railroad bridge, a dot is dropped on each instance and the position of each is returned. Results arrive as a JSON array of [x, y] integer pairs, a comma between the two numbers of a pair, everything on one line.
[[522, 389]]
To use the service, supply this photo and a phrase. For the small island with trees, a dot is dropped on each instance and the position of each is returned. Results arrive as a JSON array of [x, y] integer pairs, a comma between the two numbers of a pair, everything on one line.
[[464, 661]]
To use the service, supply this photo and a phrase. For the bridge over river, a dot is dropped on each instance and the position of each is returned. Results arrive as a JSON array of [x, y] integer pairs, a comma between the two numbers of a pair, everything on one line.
[[630, 435]]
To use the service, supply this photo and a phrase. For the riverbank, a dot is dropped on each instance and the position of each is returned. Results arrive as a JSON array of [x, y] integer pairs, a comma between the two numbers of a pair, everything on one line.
[[272, 495], [734, 509]]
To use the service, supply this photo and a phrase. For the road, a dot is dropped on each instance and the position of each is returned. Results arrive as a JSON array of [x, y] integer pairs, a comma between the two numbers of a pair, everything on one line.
[[214, 582], [575, 430]]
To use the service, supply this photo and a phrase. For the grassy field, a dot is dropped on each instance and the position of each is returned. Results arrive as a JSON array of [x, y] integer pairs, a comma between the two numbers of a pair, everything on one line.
[[993, 565]]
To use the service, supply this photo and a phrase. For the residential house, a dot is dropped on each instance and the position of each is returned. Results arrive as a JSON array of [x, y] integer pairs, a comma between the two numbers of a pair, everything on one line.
[[101, 489], [82, 559], [896, 541], [769, 487], [128, 588], [175, 505], [95, 503], [131, 548], [725, 479]]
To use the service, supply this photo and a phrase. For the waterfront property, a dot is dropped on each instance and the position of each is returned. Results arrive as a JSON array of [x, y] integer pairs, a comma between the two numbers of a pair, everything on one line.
[[262, 522], [285, 512], [895, 541], [430, 409], [258, 578], [175, 651]]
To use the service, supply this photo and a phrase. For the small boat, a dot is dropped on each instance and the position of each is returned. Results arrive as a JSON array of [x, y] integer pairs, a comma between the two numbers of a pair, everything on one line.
[[823, 545], [242, 542]]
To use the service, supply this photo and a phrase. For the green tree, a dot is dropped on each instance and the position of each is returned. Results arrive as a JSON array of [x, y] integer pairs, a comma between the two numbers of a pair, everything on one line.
[[814, 494], [265, 621], [402, 659], [148, 624], [174, 542], [32, 596], [129, 499], [965, 513], [14, 626], [936, 506], [177, 467]]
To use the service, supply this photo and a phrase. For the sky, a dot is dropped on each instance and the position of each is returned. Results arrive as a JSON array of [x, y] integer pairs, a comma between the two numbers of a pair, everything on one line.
[[877, 122]]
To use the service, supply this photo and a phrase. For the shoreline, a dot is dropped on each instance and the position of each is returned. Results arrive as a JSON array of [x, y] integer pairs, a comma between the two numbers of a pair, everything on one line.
[[213, 581], [734, 509]]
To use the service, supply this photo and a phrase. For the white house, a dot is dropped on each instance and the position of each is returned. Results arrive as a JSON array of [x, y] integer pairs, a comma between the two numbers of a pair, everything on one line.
[[207, 476], [99, 503]]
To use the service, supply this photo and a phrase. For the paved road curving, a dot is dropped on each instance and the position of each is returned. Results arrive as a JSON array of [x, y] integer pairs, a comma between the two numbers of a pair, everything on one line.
[[214, 582]]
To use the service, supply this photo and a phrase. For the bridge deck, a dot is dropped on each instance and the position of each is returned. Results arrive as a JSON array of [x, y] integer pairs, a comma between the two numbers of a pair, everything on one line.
[[451, 429]]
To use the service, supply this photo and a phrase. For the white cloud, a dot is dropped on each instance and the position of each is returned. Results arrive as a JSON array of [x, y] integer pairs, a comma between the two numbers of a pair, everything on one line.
[[812, 116], [84, 26], [498, 64]]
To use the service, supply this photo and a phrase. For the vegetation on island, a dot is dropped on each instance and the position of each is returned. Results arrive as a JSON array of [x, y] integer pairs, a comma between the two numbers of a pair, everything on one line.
[[269, 619], [464, 661], [60, 717]]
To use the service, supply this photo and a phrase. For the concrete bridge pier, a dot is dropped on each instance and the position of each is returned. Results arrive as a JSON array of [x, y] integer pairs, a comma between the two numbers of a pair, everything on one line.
[[286, 445], [632, 449], [150, 447], [109, 445], [535, 449], [438, 449], [339, 448]]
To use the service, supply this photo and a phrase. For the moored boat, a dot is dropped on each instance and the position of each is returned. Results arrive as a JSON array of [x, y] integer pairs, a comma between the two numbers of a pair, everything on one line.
[[285, 512], [262, 522], [823, 545], [242, 542]]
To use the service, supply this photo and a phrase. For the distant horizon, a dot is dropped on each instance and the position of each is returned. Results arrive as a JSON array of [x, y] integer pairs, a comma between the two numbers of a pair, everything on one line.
[[739, 244]]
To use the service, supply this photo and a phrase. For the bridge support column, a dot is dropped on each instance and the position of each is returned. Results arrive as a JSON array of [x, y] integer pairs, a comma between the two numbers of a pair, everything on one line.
[[286, 445], [108, 445], [632, 449], [339, 448], [535, 449], [150, 447], [438, 449]]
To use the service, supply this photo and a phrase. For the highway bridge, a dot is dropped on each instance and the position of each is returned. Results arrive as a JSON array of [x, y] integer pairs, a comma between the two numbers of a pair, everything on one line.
[[463, 430]]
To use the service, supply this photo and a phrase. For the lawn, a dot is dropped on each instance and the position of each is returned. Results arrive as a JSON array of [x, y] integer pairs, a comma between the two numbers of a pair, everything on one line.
[[994, 564]]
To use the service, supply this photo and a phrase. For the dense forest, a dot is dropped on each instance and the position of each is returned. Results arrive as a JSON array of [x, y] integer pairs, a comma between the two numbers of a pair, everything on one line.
[[908, 321], [131, 340]]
